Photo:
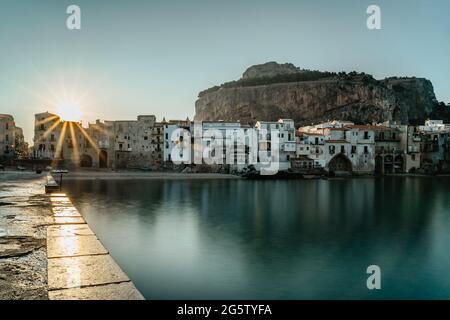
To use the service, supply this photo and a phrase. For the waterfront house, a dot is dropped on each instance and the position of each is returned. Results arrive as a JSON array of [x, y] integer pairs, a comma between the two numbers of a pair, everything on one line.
[[276, 142], [339, 146], [435, 145]]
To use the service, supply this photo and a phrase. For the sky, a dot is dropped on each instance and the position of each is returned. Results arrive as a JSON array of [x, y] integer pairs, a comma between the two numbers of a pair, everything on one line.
[[136, 57]]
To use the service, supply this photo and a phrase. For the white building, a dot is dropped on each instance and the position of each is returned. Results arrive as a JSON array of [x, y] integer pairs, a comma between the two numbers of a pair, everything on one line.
[[277, 140], [339, 146]]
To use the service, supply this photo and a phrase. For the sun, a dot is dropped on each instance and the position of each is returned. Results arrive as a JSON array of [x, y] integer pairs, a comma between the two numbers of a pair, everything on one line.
[[69, 111]]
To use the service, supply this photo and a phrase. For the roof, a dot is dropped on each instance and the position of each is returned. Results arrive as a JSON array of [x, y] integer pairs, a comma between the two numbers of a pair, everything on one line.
[[311, 133], [336, 141], [370, 127]]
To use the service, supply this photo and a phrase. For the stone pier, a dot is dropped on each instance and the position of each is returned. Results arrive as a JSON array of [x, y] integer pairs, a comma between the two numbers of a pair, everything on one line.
[[79, 266]]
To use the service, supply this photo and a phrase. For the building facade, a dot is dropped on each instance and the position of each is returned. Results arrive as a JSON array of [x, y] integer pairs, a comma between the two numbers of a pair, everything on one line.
[[7, 136]]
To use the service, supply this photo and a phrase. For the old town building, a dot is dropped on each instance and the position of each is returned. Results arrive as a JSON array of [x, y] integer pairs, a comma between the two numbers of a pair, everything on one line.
[[7, 136]]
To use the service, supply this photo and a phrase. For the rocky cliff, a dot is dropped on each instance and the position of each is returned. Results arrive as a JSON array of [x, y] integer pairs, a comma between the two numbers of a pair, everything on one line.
[[272, 91]]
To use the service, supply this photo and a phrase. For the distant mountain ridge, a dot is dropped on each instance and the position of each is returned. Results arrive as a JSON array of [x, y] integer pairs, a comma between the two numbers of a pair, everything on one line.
[[271, 91]]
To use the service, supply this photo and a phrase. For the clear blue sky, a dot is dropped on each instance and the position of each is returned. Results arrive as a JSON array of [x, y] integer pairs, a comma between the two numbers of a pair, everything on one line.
[[153, 57]]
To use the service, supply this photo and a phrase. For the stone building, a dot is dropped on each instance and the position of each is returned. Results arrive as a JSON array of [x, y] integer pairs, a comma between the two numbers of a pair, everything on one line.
[[7, 136], [131, 144], [435, 145], [398, 149], [138, 144], [60, 141], [21, 147]]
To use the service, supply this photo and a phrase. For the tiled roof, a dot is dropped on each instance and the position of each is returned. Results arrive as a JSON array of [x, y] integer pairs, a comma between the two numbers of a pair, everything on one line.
[[370, 127], [336, 141]]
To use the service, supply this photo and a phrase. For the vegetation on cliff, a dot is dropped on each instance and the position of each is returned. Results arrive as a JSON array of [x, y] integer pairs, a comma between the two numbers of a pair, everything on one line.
[[271, 91]]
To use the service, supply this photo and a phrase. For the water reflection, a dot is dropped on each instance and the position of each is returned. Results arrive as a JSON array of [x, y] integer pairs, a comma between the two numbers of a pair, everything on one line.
[[274, 239]]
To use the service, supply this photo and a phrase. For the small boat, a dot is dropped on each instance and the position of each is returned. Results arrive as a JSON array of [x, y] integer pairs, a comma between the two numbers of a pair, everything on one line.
[[60, 171]]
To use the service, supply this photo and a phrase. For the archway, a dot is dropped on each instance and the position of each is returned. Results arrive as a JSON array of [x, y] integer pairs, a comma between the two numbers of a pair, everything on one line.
[[398, 164], [340, 163], [86, 161], [388, 164], [103, 159], [379, 164]]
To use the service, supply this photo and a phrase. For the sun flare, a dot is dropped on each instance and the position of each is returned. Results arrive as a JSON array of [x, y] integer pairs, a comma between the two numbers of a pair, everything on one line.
[[69, 112]]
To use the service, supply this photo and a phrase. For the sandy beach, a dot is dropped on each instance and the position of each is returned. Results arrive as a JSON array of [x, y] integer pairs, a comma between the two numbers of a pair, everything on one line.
[[24, 213]]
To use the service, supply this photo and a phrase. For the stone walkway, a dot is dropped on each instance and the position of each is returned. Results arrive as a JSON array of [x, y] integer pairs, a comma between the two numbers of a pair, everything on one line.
[[24, 215], [79, 266]]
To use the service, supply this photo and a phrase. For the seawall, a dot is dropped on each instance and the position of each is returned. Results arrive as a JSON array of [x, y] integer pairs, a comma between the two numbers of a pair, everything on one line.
[[79, 266]]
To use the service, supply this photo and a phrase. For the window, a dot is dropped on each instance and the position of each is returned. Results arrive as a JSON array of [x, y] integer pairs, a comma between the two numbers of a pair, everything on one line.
[[42, 127], [167, 136], [353, 149], [52, 148], [52, 137], [366, 135], [342, 149], [7, 126], [145, 138], [366, 149], [7, 138], [332, 149]]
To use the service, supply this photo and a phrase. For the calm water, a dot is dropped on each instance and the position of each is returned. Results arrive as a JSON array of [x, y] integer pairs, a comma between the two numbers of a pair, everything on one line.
[[183, 239]]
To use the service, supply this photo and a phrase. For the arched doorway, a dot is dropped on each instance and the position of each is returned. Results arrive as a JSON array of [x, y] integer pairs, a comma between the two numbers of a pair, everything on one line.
[[340, 163], [379, 164], [398, 164], [388, 164], [86, 161], [103, 159]]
